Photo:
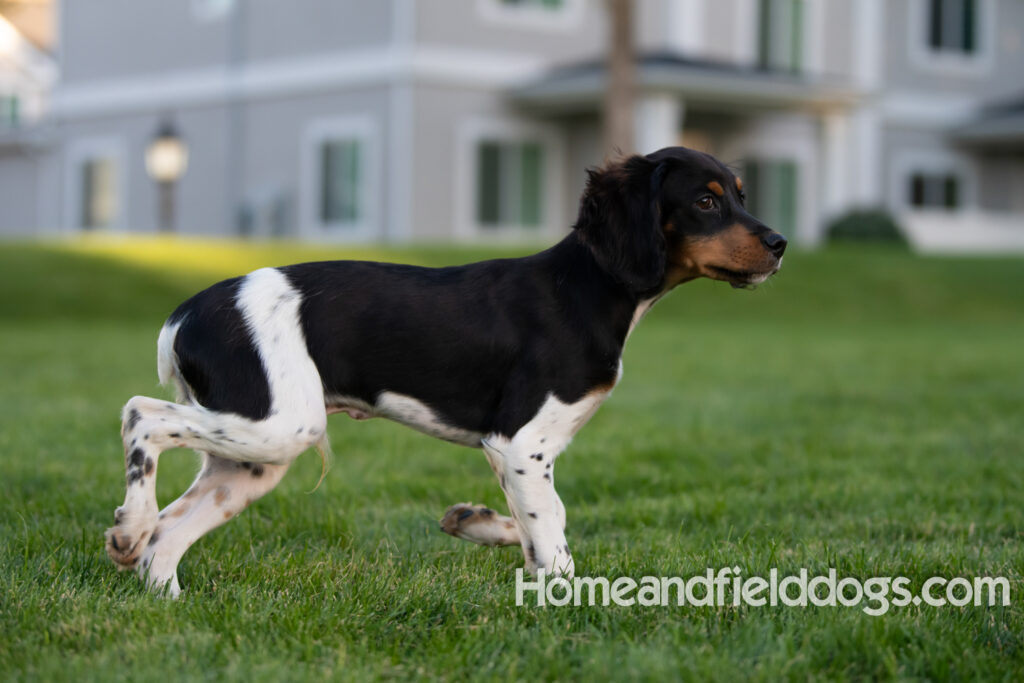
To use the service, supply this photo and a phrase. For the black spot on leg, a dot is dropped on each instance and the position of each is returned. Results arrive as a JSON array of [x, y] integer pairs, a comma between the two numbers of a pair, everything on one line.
[[257, 471], [548, 466], [174, 435], [299, 430], [532, 514], [501, 481], [520, 471], [136, 457], [134, 474], [531, 553], [145, 437], [566, 548], [133, 419], [547, 475], [154, 538], [544, 439], [149, 466], [537, 456]]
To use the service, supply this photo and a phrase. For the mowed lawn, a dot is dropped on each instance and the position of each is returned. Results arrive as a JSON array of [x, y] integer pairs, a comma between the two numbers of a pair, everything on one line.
[[864, 410]]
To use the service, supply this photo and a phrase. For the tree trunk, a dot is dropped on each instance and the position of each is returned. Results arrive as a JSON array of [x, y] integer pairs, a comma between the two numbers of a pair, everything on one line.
[[619, 95]]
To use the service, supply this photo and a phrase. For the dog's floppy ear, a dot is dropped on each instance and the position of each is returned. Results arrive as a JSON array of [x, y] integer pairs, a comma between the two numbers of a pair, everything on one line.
[[619, 220]]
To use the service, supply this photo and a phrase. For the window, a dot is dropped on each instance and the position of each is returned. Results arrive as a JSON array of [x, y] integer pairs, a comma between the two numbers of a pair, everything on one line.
[[953, 26], [781, 34], [771, 188], [509, 184], [934, 191], [341, 182], [542, 15], [339, 178], [99, 204]]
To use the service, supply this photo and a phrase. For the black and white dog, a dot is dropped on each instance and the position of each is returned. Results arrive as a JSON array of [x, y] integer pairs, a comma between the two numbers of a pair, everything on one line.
[[512, 356]]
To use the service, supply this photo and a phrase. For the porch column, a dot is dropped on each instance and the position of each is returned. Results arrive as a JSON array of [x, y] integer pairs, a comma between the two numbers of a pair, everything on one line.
[[658, 121]]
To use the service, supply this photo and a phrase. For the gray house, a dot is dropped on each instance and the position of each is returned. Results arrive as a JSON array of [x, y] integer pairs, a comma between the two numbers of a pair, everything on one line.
[[405, 120]]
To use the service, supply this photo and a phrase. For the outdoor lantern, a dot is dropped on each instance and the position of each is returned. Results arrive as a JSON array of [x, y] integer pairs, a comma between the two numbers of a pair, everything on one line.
[[166, 162], [167, 155]]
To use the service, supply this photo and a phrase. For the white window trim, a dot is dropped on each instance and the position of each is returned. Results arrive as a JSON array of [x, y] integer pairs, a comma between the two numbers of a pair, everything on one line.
[[686, 25], [469, 134], [907, 163], [80, 151], [367, 227], [977, 65], [566, 18]]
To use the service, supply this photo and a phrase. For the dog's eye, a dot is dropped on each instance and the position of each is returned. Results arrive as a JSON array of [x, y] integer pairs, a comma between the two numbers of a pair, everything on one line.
[[706, 203]]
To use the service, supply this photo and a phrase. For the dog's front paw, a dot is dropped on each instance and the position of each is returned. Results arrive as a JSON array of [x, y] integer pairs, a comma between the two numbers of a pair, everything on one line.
[[479, 524]]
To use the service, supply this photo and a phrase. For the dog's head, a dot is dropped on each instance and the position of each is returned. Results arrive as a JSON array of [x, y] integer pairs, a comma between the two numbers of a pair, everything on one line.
[[675, 215]]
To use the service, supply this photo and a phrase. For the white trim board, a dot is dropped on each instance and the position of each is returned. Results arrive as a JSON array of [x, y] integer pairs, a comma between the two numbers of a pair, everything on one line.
[[369, 67]]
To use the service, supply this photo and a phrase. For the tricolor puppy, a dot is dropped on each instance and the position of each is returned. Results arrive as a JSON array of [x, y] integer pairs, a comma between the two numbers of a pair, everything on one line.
[[511, 356]]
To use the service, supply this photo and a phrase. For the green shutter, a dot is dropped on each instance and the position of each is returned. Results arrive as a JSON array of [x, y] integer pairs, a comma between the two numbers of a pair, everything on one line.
[[341, 181], [530, 184], [488, 187]]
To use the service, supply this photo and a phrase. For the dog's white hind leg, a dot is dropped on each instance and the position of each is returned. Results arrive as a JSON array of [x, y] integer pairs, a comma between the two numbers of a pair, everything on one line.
[[221, 491]]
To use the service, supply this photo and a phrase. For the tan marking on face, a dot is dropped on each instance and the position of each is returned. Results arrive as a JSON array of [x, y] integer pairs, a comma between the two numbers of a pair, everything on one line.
[[227, 514], [739, 184], [716, 187], [734, 248]]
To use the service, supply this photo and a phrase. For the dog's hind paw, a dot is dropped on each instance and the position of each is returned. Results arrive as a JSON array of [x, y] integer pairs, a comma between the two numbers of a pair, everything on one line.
[[126, 541]]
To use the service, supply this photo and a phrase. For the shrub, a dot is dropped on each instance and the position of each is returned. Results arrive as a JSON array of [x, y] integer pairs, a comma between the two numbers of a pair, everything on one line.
[[872, 225]]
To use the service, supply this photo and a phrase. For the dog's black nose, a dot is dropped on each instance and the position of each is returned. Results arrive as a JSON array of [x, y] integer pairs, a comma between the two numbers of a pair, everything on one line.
[[775, 242]]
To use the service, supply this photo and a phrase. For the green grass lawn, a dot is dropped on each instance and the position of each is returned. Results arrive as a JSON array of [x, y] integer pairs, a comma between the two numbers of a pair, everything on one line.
[[864, 410]]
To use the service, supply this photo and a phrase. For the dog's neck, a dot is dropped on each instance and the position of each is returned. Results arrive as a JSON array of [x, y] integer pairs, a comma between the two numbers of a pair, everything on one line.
[[598, 297]]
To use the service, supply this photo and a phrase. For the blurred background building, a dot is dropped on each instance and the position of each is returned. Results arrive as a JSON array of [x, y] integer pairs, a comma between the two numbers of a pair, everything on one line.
[[406, 120]]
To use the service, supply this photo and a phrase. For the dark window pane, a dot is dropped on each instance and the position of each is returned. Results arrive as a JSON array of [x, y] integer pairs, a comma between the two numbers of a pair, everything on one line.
[[935, 24], [787, 182], [969, 26], [951, 193], [340, 181], [488, 183], [764, 33], [917, 190]]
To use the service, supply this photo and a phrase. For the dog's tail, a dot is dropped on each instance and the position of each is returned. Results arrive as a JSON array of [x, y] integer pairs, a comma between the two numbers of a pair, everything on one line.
[[167, 360], [323, 447]]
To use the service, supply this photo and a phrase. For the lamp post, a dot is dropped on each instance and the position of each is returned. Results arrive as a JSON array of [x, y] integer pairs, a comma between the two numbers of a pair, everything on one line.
[[166, 161]]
